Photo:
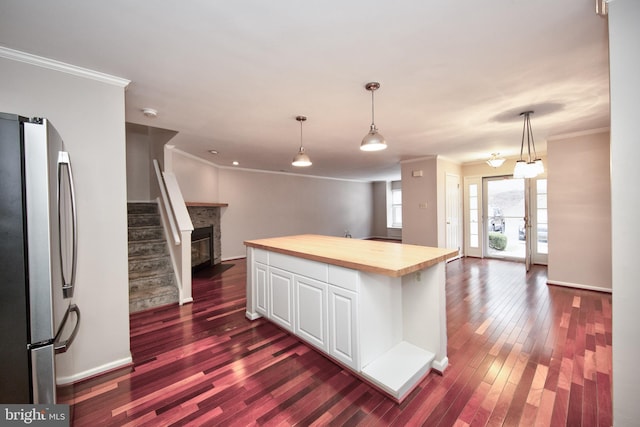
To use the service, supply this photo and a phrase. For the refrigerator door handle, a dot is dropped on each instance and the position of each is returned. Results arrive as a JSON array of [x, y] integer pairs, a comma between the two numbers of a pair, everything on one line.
[[65, 164], [63, 346]]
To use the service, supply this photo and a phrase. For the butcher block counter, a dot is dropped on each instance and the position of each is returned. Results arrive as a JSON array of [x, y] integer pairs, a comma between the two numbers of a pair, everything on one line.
[[376, 308]]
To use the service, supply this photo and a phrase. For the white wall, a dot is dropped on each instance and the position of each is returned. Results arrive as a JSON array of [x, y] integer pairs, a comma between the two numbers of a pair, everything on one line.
[[579, 206], [624, 58], [420, 224], [263, 204], [89, 115], [198, 179]]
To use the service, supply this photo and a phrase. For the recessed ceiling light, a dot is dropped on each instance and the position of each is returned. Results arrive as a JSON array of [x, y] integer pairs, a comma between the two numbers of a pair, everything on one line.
[[213, 151], [150, 112], [235, 163]]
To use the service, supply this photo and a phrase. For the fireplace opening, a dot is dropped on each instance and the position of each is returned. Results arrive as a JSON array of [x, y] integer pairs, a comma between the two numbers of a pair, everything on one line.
[[202, 248]]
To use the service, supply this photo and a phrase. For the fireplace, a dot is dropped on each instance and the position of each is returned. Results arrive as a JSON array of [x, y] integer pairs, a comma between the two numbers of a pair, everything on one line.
[[207, 216], [202, 254]]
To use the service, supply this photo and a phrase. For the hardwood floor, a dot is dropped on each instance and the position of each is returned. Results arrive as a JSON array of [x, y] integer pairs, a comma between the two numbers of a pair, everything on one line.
[[520, 352]]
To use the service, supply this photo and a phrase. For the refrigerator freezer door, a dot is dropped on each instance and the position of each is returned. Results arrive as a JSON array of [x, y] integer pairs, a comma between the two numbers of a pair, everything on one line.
[[43, 375]]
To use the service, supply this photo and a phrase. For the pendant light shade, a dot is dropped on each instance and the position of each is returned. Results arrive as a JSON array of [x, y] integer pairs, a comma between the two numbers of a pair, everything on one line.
[[373, 141], [301, 159], [495, 161], [532, 166]]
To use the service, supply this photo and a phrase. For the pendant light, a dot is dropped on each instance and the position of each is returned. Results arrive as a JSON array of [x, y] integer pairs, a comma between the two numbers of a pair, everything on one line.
[[495, 161], [301, 159], [373, 141], [533, 166]]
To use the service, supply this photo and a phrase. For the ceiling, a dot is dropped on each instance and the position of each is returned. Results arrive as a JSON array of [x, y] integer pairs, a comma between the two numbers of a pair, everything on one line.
[[233, 75]]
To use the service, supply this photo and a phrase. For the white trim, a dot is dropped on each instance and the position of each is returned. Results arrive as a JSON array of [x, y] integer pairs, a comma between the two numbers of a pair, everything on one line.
[[95, 371], [440, 365], [578, 134], [419, 159], [449, 159], [52, 64], [579, 286], [194, 157]]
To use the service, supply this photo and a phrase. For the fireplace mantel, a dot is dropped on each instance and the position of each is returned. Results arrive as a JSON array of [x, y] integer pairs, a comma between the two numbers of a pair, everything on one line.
[[207, 205]]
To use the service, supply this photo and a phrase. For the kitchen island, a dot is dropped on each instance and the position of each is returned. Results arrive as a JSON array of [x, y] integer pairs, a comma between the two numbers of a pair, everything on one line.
[[377, 308]]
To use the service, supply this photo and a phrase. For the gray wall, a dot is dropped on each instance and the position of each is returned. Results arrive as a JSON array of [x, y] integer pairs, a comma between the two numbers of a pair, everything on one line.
[[419, 202], [144, 144], [263, 204], [579, 205], [89, 115]]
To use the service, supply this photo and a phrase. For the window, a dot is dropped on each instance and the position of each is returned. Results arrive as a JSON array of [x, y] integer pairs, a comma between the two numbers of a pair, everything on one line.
[[396, 204], [541, 217], [474, 240]]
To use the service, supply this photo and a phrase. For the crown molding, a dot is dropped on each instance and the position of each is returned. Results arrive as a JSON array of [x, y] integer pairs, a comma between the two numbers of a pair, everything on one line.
[[176, 150], [578, 134], [52, 64]]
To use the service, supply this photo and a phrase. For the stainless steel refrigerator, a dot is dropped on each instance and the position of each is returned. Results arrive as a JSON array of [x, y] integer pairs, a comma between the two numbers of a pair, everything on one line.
[[38, 247]]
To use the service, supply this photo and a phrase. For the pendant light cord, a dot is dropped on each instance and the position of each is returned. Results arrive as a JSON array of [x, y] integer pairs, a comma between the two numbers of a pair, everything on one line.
[[373, 124], [301, 135], [524, 127]]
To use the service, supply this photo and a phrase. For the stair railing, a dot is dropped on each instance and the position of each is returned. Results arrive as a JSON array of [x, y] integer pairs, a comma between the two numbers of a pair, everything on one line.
[[166, 204], [178, 227]]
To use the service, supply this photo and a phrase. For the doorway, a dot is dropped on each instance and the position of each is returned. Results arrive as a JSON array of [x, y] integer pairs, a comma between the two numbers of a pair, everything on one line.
[[506, 218], [504, 214]]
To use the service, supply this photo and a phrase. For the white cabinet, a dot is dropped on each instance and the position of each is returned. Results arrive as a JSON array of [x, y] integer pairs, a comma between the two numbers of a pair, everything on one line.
[[343, 326], [261, 288], [280, 305], [311, 321], [389, 329]]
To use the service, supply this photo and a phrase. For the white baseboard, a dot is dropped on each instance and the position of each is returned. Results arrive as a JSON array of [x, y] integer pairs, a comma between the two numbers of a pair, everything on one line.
[[579, 286], [440, 365], [95, 371], [234, 257]]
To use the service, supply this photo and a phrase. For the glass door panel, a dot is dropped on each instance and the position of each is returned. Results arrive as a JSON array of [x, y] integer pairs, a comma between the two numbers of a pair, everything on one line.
[[503, 218], [539, 228]]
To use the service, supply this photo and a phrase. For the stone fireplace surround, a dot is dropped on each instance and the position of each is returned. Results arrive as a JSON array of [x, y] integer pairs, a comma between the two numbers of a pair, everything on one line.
[[204, 215]]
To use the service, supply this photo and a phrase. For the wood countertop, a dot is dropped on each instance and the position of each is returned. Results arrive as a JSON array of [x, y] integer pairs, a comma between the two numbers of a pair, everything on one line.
[[387, 258]]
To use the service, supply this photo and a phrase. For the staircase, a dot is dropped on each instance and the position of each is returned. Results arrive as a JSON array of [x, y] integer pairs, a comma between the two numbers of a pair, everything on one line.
[[151, 278]]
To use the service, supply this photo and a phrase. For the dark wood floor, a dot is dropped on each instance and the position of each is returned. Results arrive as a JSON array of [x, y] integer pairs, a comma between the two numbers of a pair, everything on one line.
[[520, 352]]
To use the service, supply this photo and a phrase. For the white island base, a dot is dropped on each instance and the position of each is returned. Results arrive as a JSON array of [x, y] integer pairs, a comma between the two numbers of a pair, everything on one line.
[[388, 330]]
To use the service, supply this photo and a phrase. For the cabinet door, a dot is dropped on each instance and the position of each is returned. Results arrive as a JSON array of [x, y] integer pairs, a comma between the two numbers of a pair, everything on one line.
[[343, 331], [261, 288], [311, 311], [281, 298]]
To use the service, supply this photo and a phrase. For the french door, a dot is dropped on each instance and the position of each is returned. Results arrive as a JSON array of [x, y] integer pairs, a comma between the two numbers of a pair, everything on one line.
[[506, 218]]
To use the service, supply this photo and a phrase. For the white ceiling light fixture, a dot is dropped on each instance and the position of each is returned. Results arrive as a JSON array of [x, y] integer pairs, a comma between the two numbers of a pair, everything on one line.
[[533, 166], [301, 159], [373, 141], [150, 112], [495, 161]]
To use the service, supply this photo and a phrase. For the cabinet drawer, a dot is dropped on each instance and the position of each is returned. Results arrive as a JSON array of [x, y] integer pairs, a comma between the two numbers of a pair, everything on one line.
[[304, 267], [343, 277], [260, 255]]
